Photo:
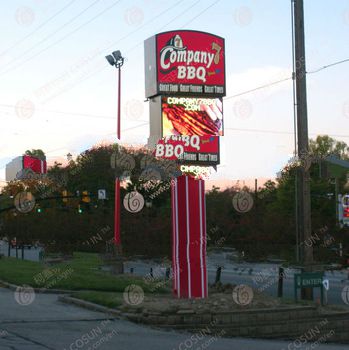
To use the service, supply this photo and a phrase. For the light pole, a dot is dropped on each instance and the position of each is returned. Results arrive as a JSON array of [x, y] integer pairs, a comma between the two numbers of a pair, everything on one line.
[[116, 59]]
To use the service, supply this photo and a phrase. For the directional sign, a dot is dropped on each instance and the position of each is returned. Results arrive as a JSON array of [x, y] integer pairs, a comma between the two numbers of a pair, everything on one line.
[[102, 194], [326, 284], [310, 280]]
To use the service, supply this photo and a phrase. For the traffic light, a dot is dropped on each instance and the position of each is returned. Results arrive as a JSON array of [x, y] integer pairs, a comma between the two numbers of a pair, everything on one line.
[[38, 210], [85, 197], [80, 211], [64, 195]]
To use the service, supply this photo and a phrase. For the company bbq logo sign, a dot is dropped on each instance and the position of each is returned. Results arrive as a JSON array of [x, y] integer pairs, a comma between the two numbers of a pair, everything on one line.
[[197, 58], [187, 62]]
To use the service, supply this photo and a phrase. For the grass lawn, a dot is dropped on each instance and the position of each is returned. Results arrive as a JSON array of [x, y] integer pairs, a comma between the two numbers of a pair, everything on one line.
[[81, 273]]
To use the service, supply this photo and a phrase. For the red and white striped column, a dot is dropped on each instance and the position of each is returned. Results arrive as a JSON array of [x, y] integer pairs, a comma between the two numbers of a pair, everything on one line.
[[189, 238]]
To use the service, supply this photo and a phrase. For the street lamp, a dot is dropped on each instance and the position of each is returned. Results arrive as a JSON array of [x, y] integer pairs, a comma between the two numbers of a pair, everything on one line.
[[116, 59]]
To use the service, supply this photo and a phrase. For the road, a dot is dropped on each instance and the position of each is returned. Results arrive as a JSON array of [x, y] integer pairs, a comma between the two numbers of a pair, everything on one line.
[[32, 254], [49, 324], [260, 276]]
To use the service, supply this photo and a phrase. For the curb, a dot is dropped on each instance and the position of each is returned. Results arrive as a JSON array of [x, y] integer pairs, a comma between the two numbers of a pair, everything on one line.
[[36, 290], [88, 305]]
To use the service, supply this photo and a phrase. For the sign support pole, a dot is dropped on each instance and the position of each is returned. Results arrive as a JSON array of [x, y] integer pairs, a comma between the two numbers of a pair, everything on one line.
[[189, 238], [303, 175], [117, 234]]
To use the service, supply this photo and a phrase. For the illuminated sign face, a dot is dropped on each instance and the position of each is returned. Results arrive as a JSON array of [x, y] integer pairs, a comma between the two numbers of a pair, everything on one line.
[[200, 150], [185, 62], [192, 116]]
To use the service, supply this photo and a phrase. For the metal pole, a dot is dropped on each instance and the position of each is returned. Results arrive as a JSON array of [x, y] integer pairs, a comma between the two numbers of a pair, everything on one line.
[[295, 128], [336, 190], [280, 282], [117, 236], [119, 103], [218, 275], [303, 183]]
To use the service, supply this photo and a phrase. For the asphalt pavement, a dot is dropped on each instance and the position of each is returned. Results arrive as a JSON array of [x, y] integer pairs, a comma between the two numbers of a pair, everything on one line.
[[32, 254], [46, 323], [260, 276]]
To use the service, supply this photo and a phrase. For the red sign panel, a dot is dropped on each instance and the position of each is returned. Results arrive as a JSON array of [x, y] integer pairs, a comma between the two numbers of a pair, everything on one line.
[[192, 116], [185, 62], [200, 150], [37, 165]]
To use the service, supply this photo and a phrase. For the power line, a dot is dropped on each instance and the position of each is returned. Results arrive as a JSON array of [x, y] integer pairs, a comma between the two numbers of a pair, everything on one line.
[[100, 70], [258, 88], [280, 132], [15, 44], [175, 18], [89, 21], [285, 79], [225, 98], [328, 66], [47, 37], [125, 37], [161, 28], [198, 15], [61, 112]]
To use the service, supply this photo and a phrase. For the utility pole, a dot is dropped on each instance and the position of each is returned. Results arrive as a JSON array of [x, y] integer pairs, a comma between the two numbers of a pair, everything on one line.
[[303, 176]]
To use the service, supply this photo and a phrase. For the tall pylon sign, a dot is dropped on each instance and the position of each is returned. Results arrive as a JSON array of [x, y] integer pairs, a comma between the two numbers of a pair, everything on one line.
[[185, 85]]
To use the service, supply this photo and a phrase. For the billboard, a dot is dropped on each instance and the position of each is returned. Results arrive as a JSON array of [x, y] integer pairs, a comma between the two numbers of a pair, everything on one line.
[[192, 116], [184, 62], [37, 165], [15, 170], [199, 150]]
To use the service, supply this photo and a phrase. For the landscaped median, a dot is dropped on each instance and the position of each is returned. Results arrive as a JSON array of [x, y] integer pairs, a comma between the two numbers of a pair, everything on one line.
[[81, 273], [228, 311]]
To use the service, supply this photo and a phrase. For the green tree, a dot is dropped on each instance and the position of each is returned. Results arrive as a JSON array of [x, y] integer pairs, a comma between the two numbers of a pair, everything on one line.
[[325, 145], [37, 153]]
